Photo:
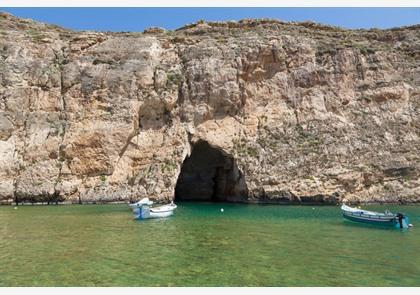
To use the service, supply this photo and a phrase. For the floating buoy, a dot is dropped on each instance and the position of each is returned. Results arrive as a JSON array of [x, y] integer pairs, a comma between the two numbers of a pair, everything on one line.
[[221, 210], [313, 208], [410, 225], [15, 208]]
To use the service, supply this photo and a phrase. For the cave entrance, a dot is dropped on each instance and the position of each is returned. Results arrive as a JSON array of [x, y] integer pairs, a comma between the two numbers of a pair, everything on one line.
[[209, 174]]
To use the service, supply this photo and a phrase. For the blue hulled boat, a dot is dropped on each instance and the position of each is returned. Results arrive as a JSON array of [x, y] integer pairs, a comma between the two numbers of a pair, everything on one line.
[[142, 209], [398, 220]]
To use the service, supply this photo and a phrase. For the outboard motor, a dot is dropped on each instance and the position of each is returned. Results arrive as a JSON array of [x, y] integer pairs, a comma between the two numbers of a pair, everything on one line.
[[400, 218], [141, 212], [403, 221]]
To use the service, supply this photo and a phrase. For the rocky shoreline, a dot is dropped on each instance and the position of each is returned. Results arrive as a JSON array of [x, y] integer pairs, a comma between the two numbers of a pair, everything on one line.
[[257, 202], [255, 111]]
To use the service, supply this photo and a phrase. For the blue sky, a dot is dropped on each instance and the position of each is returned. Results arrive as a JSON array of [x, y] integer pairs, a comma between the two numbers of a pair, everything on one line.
[[137, 19]]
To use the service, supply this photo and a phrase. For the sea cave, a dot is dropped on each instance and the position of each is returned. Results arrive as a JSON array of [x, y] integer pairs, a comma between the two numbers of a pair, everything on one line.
[[211, 175]]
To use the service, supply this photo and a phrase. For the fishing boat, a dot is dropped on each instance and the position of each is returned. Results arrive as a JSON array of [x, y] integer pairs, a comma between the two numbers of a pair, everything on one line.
[[398, 220], [143, 210]]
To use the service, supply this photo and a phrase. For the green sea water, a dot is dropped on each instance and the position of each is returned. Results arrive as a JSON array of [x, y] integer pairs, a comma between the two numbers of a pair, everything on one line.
[[246, 245]]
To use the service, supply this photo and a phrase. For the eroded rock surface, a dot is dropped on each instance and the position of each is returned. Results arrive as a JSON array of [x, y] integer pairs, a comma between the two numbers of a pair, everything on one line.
[[307, 113]]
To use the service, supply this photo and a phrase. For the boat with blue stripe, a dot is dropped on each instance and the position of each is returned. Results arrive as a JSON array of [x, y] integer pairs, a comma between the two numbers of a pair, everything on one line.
[[143, 210], [398, 220]]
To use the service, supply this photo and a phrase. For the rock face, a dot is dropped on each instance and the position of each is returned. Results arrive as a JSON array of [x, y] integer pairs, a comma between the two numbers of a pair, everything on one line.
[[251, 111]]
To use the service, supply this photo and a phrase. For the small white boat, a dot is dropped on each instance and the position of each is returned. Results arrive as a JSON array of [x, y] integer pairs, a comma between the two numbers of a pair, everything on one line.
[[398, 220], [142, 209]]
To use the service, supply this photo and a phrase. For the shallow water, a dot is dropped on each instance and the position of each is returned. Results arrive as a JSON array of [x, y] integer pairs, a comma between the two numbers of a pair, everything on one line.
[[246, 245]]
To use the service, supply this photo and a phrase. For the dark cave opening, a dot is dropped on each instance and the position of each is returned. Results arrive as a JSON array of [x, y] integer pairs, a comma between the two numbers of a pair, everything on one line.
[[210, 174]]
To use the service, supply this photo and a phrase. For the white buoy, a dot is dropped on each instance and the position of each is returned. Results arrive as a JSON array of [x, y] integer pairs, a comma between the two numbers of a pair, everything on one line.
[[221, 210], [410, 225], [313, 208], [15, 208]]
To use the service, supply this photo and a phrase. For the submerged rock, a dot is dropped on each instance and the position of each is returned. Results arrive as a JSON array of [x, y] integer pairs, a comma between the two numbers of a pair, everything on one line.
[[293, 112]]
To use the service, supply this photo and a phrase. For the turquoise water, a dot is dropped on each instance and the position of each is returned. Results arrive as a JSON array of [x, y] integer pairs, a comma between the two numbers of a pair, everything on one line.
[[246, 245]]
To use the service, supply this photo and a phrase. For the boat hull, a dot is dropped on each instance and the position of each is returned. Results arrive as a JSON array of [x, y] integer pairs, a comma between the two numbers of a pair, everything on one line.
[[145, 212], [389, 223], [161, 214]]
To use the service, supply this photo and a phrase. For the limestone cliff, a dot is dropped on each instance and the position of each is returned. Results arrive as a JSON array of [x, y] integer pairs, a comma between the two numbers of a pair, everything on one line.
[[251, 111]]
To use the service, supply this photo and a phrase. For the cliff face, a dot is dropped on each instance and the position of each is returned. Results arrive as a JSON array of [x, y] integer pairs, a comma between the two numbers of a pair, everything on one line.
[[256, 110]]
